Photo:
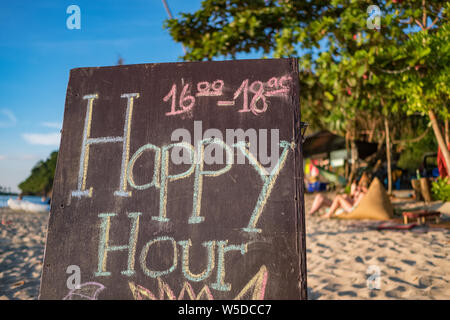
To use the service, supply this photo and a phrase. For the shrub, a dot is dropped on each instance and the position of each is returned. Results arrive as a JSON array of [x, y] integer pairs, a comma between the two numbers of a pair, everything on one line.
[[441, 189]]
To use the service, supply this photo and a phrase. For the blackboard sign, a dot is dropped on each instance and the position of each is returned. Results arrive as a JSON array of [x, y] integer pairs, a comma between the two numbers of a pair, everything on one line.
[[179, 181]]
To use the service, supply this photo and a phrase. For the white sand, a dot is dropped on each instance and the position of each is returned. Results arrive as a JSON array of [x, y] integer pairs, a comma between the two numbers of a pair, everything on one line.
[[22, 241], [413, 264]]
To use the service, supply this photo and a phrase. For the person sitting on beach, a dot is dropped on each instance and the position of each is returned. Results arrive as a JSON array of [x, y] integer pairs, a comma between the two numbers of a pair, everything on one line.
[[364, 181], [341, 203]]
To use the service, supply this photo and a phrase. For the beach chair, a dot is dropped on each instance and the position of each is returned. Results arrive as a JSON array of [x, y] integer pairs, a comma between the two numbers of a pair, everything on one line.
[[421, 216]]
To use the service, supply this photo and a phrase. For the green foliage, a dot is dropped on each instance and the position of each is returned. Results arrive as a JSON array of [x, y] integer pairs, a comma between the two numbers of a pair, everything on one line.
[[441, 189], [225, 28], [426, 83], [350, 76], [344, 66], [40, 181]]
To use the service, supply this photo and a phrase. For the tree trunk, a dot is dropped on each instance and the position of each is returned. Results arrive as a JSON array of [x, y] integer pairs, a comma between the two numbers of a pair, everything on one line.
[[447, 133], [355, 157], [440, 138], [347, 148], [372, 131], [388, 155]]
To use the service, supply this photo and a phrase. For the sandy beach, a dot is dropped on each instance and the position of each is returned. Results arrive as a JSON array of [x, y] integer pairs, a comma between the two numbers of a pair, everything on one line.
[[412, 264], [22, 241]]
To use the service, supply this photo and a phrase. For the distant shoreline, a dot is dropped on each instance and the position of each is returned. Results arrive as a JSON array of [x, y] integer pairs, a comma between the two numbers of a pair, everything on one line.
[[8, 194]]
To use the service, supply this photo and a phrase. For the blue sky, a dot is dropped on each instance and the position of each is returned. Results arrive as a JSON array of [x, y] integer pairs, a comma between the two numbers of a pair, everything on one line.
[[37, 50]]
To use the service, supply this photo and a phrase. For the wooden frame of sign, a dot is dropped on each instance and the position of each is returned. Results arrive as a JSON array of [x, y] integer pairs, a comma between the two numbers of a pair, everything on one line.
[[179, 181]]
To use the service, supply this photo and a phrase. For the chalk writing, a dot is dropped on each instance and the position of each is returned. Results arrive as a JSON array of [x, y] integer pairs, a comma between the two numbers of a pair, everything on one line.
[[199, 173], [155, 181], [183, 107], [204, 292], [141, 293], [207, 89], [88, 141], [85, 291], [278, 87], [196, 167], [160, 179], [274, 87], [257, 88], [268, 180], [166, 177], [210, 246], [258, 283], [255, 289], [126, 145], [226, 103], [104, 247], [91, 290], [222, 248], [152, 273], [243, 89]]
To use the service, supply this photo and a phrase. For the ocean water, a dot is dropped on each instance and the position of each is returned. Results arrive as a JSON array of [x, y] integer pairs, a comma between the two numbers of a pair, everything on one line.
[[4, 200]]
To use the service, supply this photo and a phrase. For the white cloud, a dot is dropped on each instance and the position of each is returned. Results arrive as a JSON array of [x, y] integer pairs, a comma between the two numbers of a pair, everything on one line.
[[54, 125], [21, 157], [7, 118], [46, 139], [28, 157]]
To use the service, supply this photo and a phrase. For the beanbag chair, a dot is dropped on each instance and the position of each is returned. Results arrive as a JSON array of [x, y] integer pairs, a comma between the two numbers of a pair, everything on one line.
[[374, 206]]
